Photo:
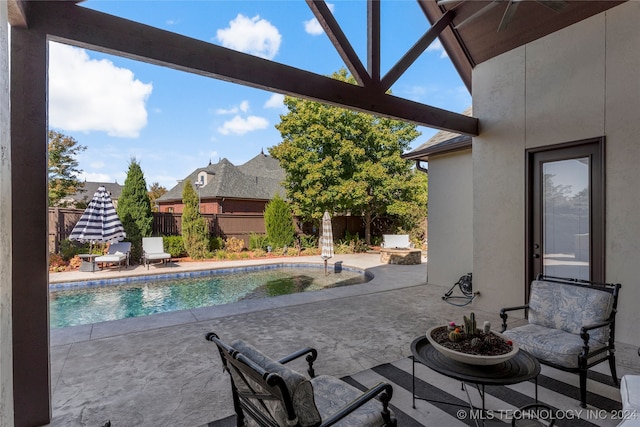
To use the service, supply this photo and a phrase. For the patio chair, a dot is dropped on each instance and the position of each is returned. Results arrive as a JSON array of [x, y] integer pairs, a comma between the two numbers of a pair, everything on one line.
[[571, 325], [271, 394], [153, 250], [116, 254]]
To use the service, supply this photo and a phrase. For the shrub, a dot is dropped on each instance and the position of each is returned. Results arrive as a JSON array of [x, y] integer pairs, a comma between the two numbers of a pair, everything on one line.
[[68, 249], [175, 246], [216, 243], [234, 245], [259, 252], [278, 222], [258, 241], [194, 226], [308, 241], [220, 254], [57, 263]]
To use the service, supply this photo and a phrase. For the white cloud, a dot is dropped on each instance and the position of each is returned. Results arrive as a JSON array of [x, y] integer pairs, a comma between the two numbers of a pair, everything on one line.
[[436, 46], [313, 27], [94, 95], [275, 101], [251, 35], [243, 106], [172, 21], [240, 126]]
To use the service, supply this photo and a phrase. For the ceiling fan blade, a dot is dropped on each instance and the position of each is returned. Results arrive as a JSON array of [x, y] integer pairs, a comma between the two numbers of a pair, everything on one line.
[[508, 14], [556, 5], [478, 14]]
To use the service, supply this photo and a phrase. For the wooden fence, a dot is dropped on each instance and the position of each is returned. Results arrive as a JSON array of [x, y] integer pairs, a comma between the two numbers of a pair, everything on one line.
[[62, 221]]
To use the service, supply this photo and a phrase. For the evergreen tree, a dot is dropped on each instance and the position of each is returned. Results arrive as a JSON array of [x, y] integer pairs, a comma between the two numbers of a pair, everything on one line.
[[134, 209], [194, 226], [278, 222]]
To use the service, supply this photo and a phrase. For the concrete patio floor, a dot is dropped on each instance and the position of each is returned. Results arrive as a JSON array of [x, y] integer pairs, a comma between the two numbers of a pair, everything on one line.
[[159, 370]]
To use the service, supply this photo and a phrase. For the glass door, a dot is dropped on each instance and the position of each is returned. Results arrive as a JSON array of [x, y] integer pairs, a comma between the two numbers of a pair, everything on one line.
[[566, 212]]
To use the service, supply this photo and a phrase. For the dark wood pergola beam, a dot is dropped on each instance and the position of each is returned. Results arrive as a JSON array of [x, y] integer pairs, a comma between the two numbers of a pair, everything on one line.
[[339, 40], [17, 13], [416, 50], [79, 26], [373, 40]]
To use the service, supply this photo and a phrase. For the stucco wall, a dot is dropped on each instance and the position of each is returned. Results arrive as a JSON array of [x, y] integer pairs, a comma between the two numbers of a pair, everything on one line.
[[450, 217], [578, 83], [6, 350]]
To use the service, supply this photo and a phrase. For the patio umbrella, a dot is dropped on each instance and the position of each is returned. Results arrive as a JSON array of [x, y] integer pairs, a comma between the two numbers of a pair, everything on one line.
[[99, 222], [326, 241]]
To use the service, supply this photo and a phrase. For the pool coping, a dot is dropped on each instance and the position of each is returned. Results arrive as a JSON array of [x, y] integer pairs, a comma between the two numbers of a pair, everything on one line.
[[79, 284], [385, 278]]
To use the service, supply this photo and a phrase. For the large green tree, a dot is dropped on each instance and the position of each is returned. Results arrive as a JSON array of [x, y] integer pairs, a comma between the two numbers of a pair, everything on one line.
[[134, 208], [194, 226], [155, 191], [345, 161], [63, 167]]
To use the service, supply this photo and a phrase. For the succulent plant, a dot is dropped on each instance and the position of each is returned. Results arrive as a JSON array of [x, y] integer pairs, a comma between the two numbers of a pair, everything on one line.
[[476, 343], [490, 340], [470, 326], [486, 327], [455, 335]]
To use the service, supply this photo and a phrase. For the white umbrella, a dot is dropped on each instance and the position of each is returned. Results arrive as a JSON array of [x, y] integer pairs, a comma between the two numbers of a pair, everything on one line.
[[99, 222], [326, 241]]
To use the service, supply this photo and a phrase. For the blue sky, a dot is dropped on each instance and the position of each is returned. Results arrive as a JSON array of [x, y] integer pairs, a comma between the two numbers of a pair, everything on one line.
[[173, 122]]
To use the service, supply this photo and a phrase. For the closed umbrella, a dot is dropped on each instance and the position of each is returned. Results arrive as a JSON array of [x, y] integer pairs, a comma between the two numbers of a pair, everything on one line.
[[99, 222], [326, 241]]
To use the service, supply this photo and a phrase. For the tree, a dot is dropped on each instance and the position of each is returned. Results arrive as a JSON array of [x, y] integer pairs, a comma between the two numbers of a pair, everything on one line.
[[134, 209], [155, 191], [278, 222], [63, 166], [194, 226], [345, 161]]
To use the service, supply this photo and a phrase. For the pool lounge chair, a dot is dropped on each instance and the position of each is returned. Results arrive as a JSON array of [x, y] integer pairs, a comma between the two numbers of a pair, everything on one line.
[[153, 250], [116, 254]]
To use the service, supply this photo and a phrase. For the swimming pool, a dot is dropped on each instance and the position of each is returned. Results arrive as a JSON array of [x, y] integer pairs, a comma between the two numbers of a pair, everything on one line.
[[83, 303]]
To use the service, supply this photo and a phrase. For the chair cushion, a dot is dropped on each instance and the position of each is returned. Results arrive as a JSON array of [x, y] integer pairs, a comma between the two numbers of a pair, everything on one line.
[[630, 392], [299, 387], [554, 305], [550, 344], [332, 394], [111, 258], [157, 256]]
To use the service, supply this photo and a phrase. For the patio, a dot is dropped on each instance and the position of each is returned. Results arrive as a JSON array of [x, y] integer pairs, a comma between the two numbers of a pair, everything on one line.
[[159, 370]]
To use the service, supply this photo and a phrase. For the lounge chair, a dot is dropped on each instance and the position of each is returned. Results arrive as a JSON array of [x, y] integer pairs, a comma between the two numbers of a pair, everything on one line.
[[153, 250], [269, 393], [117, 253]]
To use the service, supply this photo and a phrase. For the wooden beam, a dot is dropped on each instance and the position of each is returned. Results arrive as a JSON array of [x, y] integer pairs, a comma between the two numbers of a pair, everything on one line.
[[339, 40], [373, 39], [17, 13], [98, 31], [416, 50]]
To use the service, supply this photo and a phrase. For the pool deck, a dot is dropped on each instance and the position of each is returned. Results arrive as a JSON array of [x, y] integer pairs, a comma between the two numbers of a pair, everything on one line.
[[159, 371]]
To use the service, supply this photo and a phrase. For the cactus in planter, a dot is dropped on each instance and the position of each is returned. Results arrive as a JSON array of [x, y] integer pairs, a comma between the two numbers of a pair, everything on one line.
[[470, 326], [455, 335], [486, 327]]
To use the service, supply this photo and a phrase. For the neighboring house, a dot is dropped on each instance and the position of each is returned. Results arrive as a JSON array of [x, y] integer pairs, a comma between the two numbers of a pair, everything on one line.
[[226, 188], [84, 195], [446, 157]]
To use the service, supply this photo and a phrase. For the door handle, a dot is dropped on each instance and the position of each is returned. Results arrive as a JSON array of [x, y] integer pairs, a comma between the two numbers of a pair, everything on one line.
[[536, 255]]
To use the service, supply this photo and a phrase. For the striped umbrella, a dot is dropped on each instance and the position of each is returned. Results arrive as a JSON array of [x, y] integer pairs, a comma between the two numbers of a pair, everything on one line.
[[326, 241], [99, 222]]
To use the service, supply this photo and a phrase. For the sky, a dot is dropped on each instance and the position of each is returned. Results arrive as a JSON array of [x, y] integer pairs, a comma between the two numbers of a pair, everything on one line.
[[173, 122]]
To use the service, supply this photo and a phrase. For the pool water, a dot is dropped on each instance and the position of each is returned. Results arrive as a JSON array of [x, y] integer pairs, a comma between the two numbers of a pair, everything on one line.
[[85, 305]]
